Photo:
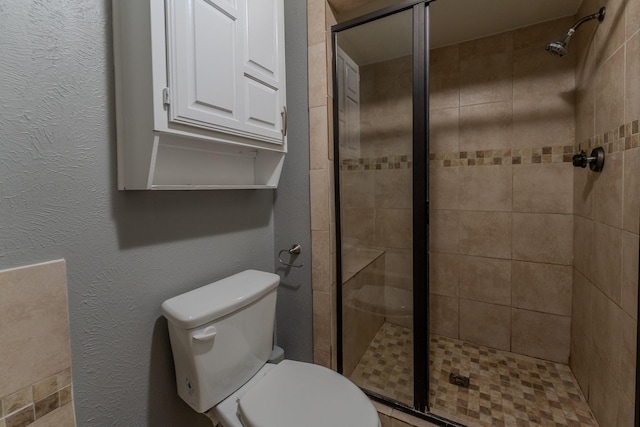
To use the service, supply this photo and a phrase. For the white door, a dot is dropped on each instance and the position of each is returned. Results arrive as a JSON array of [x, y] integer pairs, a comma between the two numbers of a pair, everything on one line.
[[349, 105], [226, 66]]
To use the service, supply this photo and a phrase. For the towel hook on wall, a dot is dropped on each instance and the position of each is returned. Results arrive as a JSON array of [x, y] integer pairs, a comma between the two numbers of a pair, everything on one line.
[[294, 250]]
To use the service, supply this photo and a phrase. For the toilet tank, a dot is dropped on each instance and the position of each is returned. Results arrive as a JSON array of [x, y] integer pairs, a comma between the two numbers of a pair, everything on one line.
[[221, 335]]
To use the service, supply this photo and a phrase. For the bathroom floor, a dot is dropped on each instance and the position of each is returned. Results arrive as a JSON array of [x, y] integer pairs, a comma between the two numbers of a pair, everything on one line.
[[505, 389]]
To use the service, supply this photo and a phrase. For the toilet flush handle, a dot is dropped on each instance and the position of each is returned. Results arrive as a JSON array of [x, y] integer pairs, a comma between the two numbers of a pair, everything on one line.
[[208, 334]]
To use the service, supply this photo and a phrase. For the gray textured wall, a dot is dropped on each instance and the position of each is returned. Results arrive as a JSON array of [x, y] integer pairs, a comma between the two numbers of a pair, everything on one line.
[[292, 212], [126, 252]]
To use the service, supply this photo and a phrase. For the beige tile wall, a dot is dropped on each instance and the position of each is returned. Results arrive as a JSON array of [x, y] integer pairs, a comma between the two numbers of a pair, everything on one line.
[[502, 132], [35, 359], [607, 210], [320, 18]]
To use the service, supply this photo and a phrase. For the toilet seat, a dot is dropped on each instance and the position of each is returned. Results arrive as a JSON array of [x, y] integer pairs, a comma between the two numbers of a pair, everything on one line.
[[296, 393]]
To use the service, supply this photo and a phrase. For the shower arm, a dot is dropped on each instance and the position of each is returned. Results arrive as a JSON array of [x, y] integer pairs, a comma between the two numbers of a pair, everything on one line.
[[599, 15]]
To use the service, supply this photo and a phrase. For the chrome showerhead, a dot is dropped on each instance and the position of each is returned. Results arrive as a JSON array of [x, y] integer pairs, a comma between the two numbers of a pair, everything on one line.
[[557, 48], [561, 47]]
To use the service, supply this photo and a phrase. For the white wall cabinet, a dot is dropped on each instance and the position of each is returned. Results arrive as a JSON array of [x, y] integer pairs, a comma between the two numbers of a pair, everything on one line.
[[200, 93]]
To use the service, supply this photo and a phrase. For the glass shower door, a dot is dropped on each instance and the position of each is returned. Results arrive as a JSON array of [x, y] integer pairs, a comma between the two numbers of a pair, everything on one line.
[[375, 160]]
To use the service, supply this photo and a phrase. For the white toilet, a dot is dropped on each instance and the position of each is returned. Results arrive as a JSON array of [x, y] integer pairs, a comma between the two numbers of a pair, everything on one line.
[[221, 337]]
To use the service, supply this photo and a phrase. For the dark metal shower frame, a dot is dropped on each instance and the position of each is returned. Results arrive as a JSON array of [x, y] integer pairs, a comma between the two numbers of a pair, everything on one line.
[[420, 202], [636, 418]]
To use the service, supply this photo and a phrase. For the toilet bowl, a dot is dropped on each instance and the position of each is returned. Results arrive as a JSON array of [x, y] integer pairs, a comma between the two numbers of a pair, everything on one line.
[[295, 394], [221, 337]]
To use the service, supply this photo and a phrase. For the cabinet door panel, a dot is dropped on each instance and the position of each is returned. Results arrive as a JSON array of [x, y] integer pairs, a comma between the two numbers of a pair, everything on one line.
[[225, 66], [215, 70], [348, 105], [264, 84], [352, 81], [204, 63], [233, 4], [340, 81], [262, 42], [263, 106]]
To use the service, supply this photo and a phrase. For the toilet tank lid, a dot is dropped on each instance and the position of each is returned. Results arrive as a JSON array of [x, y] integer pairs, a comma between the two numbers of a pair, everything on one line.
[[210, 302]]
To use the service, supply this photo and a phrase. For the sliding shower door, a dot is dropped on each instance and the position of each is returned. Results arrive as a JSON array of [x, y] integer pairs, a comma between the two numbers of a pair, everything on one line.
[[380, 162]]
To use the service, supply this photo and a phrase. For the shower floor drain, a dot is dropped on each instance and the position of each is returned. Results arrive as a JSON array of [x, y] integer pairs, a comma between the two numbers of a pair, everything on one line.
[[459, 380]]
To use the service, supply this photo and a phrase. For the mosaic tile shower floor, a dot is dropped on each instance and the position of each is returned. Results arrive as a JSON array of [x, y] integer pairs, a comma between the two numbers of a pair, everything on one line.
[[506, 389]]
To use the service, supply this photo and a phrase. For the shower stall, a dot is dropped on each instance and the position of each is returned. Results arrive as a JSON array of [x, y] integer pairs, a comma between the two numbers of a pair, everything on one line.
[[476, 283]]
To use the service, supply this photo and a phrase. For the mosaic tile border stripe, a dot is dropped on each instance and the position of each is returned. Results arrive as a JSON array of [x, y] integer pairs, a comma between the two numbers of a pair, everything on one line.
[[377, 163], [623, 137], [33, 402], [557, 154], [551, 154]]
